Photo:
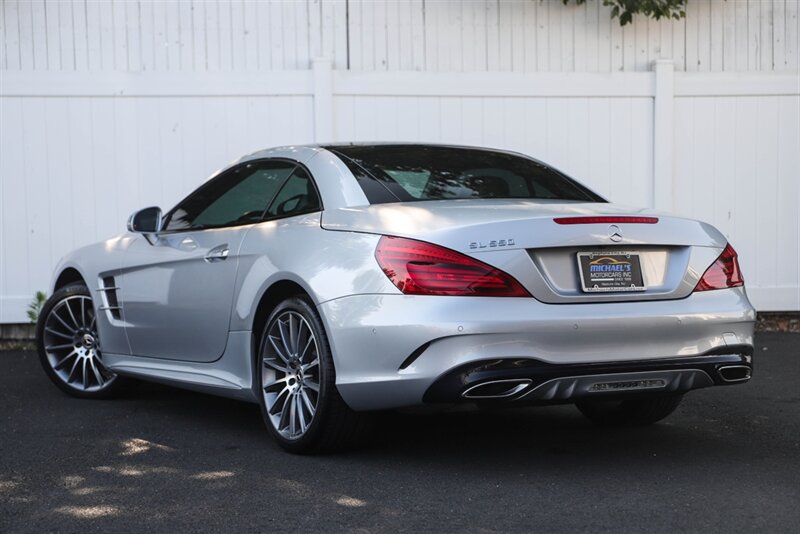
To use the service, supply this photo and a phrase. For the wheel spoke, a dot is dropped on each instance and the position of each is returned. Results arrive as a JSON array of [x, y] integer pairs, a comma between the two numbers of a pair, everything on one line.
[[301, 418], [57, 347], [305, 349], [284, 416], [105, 371], [284, 357], [96, 372], [275, 382], [301, 330], [63, 360], [54, 313], [57, 333], [292, 334], [72, 315], [83, 311], [283, 338], [72, 371], [309, 365], [307, 402], [275, 365], [292, 416], [279, 405], [85, 375], [311, 385]]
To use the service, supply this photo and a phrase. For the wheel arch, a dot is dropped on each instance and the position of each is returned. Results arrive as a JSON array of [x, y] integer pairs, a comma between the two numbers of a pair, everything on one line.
[[67, 276], [277, 292]]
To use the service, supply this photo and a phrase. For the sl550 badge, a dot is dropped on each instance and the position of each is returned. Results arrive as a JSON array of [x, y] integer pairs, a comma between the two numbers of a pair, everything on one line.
[[491, 244]]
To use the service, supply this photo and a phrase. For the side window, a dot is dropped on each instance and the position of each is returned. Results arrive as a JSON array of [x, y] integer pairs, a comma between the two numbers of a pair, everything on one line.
[[295, 197], [239, 196], [412, 181]]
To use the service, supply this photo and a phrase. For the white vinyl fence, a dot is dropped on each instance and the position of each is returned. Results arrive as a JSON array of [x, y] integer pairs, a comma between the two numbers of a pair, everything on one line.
[[80, 154], [109, 106]]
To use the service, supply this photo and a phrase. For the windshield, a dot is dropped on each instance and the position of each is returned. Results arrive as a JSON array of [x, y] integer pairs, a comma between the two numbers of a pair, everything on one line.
[[392, 173]]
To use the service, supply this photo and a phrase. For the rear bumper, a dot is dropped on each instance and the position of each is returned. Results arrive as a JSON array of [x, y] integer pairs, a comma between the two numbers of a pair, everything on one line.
[[532, 381], [390, 350]]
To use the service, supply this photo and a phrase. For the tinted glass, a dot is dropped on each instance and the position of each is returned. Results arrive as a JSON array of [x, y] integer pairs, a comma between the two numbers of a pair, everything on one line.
[[295, 197], [417, 172], [146, 220], [239, 196]]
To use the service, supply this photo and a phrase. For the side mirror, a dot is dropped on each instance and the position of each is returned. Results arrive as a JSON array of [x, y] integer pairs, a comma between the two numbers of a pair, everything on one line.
[[145, 221]]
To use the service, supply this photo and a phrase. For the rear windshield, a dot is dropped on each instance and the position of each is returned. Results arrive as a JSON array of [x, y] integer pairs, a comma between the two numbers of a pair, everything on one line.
[[392, 173]]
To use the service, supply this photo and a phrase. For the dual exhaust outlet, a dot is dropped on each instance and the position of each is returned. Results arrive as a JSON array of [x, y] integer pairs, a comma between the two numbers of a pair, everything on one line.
[[497, 389], [734, 373], [507, 388]]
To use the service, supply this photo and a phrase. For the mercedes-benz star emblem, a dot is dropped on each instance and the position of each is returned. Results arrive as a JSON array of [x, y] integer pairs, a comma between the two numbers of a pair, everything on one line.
[[614, 233]]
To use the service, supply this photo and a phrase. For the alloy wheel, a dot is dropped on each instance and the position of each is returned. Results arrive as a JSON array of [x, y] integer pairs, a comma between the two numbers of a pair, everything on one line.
[[290, 375], [72, 346]]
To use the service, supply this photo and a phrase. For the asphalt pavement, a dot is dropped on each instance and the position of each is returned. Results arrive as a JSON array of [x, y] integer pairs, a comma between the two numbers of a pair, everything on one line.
[[165, 459]]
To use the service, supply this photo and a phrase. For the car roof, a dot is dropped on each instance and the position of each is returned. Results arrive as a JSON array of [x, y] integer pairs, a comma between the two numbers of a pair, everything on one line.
[[295, 151]]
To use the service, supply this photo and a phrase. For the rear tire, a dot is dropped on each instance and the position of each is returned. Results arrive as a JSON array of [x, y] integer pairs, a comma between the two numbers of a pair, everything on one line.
[[69, 347], [296, 378], [630, 412]]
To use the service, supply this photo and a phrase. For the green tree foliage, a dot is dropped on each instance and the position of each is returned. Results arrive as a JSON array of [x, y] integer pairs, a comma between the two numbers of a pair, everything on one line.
[[626, 9]]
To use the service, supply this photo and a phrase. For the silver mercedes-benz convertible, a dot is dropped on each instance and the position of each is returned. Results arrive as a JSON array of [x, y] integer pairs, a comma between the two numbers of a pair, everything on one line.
[[327, 283]]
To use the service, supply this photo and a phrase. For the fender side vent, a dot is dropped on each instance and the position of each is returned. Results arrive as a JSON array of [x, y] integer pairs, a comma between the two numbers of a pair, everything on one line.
[[110, 301]]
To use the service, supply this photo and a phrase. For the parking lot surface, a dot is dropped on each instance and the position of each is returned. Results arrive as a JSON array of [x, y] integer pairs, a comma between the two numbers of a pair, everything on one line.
[[162, 459]]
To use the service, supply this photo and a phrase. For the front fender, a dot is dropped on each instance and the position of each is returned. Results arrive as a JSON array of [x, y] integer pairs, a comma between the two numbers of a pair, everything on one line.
[[93, 262]]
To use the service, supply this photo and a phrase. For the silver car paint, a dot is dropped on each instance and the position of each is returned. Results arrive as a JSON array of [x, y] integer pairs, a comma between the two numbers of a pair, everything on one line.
[[91, 262], [159, 281], [372, 327], [373, 334], [328, 265], [675, 252], [230, 376]]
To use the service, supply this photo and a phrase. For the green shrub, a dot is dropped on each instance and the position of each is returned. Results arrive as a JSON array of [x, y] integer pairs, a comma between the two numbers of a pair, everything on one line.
[[35, 307]]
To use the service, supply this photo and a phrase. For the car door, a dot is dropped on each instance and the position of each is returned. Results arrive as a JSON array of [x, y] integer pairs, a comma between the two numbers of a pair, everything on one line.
[[176, 289]]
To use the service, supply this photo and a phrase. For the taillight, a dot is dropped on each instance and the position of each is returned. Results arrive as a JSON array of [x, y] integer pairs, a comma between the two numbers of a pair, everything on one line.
[[420, 268], [723, 273]]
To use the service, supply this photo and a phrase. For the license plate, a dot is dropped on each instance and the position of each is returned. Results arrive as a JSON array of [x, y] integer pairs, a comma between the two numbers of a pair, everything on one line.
[[610, 271]]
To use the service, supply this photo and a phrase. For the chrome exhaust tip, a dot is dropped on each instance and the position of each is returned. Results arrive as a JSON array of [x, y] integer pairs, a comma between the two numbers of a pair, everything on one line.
[[497, 389], [734, 373]]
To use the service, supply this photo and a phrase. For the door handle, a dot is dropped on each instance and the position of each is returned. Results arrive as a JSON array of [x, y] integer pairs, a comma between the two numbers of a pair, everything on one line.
[[216, 254]]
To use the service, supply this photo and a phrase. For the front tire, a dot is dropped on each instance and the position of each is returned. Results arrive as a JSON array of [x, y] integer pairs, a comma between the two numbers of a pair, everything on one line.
[[630, 412], [300, 404], [69, 347]]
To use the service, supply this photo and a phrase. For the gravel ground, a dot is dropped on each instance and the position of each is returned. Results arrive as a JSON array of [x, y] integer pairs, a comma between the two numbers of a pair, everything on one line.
[[163, 459]]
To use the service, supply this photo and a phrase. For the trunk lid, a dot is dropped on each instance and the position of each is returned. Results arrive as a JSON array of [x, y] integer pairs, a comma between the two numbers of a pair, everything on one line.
[[522, 238]]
